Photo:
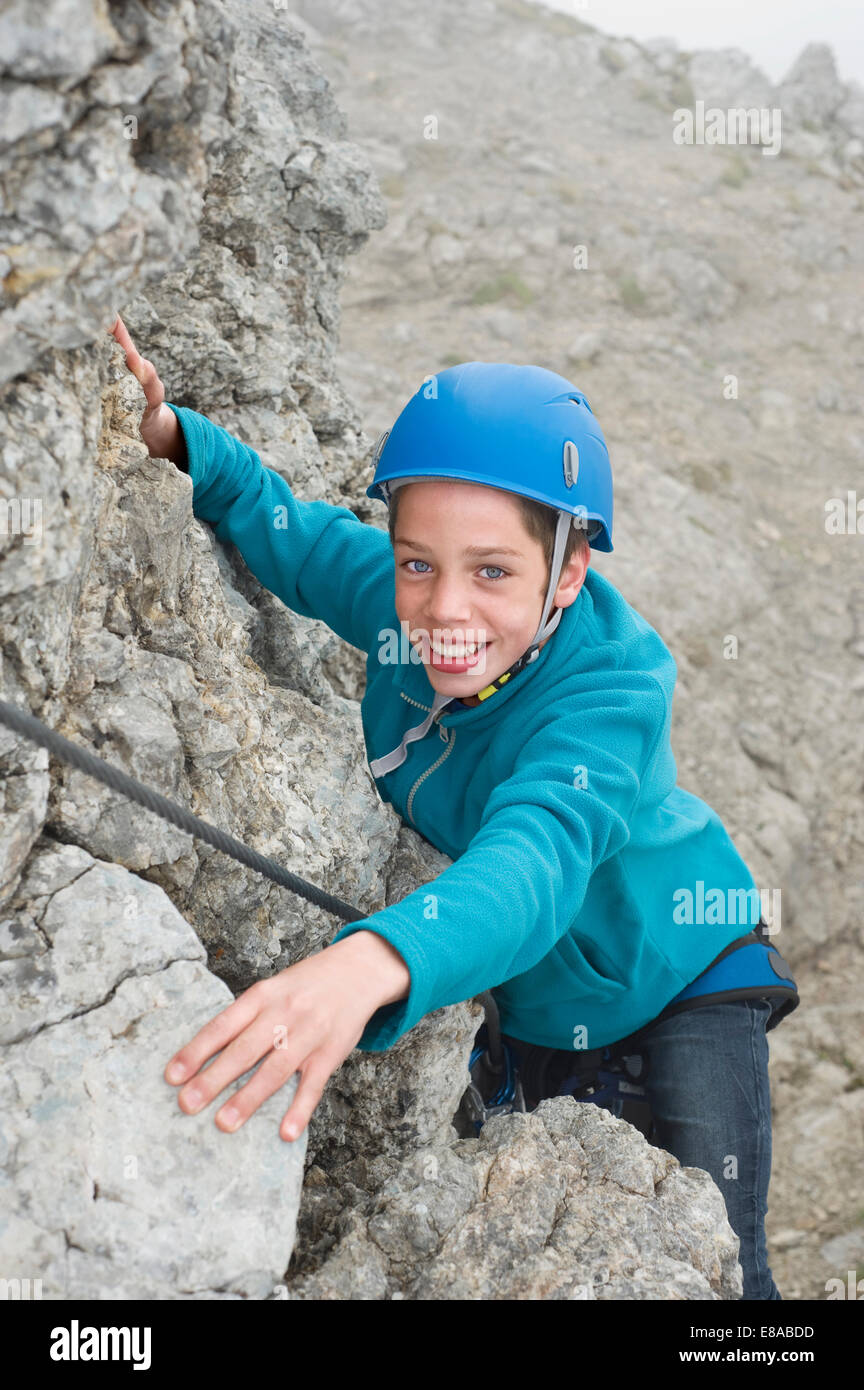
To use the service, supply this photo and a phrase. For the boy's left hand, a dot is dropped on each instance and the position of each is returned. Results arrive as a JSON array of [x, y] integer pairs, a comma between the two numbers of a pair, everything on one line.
[[308, 1018]]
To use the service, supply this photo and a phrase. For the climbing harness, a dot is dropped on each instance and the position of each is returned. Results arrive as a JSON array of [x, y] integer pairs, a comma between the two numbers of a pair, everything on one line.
[[508, 1074]]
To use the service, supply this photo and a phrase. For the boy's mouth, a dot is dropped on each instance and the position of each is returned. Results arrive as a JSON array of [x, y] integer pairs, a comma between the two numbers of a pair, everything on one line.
[[455, 656]]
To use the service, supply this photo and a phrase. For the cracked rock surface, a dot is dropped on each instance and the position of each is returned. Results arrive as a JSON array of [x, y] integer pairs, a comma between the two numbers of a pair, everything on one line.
[[566, 1202], [109, 1190]]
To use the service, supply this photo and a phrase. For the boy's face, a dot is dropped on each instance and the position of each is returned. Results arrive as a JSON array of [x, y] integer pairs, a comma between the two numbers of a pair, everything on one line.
[[446, 595]]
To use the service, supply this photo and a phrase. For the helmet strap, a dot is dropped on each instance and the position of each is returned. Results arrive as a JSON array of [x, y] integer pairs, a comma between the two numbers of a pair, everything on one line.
[[547, 624], [565, 520]]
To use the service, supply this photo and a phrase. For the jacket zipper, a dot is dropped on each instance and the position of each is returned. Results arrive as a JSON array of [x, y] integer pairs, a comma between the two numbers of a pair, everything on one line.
[[422, 778], [416, 703]]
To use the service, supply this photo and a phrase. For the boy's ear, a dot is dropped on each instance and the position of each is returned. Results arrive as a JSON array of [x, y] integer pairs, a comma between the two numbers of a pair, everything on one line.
[[572, 577]]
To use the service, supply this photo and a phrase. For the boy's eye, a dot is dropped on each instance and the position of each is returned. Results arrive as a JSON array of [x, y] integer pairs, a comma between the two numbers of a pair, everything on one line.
[[500, 575]]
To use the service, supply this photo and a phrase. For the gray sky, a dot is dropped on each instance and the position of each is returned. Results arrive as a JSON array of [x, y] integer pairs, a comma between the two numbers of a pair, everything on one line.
[[773, 32]]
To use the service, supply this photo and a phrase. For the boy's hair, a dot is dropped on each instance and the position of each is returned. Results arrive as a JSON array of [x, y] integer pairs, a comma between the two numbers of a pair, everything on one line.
[[539, 521]]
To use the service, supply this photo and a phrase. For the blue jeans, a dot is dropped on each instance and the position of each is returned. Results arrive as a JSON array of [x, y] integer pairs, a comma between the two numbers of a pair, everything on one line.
[[706, 1081]]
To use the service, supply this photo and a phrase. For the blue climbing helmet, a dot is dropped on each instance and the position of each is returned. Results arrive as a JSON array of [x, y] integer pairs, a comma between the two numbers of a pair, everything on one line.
[[520, 428]]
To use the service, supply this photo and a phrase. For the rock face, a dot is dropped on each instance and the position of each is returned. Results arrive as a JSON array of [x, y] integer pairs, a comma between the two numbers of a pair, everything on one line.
[[566, 1202], [117, 1193], [213, 202], [189, 167]]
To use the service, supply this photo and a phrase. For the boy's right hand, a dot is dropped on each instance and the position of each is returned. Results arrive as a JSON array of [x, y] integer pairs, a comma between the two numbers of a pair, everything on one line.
[[160, 428]]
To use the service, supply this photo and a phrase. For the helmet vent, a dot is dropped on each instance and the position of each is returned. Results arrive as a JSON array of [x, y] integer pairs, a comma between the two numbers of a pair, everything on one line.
[[379, 445], [571, 462]]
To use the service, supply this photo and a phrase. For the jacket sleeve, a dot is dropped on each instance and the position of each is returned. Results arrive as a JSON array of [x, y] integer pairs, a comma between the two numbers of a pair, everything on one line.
[[515, 891], [320, 560]]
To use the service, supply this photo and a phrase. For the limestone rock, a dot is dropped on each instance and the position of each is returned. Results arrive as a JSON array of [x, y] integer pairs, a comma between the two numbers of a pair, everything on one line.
[[726, 77], [811, 91], [110, 1190], [564, 1203]]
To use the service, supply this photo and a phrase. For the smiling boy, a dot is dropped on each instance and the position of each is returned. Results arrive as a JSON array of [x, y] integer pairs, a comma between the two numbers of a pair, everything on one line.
[[530, 743], [498, 625]]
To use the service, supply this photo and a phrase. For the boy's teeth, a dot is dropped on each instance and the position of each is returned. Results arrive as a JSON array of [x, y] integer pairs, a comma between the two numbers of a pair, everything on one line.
[[449, 649]]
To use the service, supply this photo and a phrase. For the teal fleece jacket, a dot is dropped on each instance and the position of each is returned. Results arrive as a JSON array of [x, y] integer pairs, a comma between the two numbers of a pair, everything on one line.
[[575, 853]]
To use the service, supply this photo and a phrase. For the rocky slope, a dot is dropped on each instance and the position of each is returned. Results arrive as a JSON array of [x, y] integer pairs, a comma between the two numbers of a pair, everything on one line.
[[192, 167]]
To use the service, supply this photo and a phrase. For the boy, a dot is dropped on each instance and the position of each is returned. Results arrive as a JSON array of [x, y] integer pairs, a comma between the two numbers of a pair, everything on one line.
[[541, 767]]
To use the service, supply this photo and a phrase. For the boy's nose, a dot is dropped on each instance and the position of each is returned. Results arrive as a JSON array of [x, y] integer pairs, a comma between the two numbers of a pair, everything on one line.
[[449, 604], [451, 629]]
